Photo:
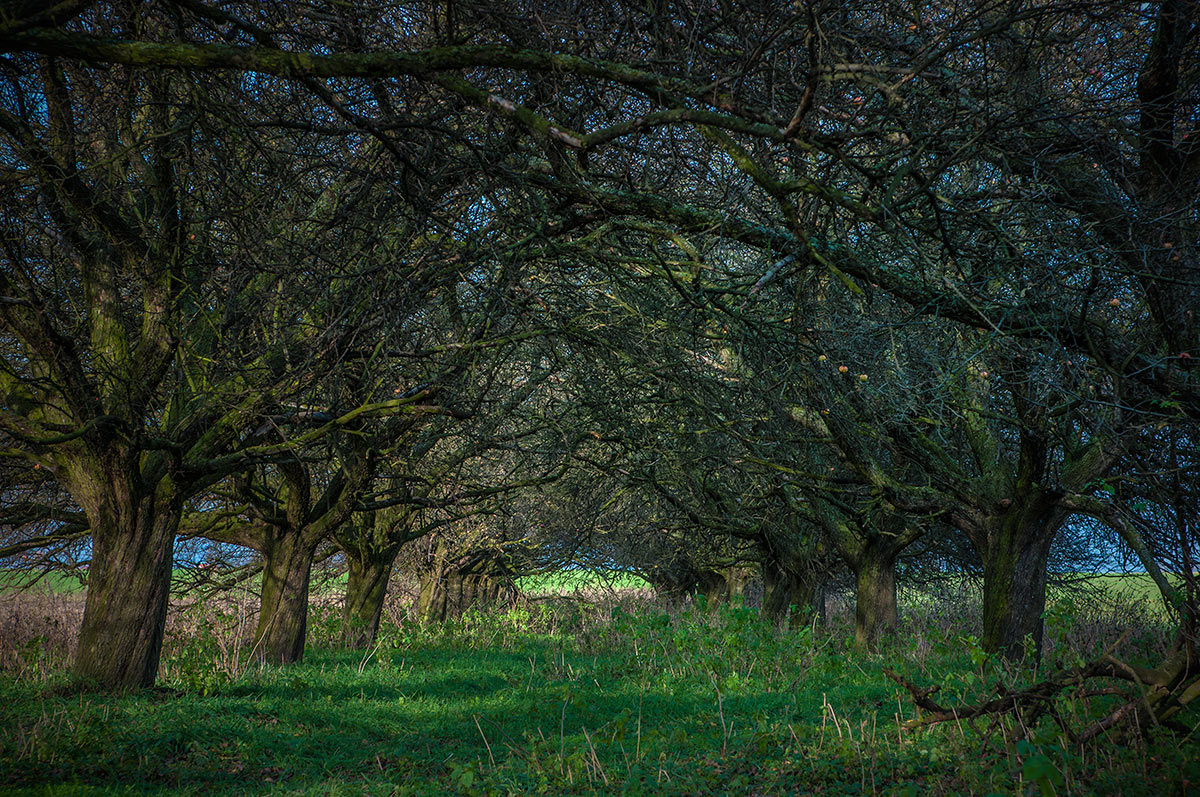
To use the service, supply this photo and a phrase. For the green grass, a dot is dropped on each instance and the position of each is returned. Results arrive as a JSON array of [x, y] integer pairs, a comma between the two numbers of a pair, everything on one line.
[[559, 699], [567, 581], [1129, 587], [53, 582]]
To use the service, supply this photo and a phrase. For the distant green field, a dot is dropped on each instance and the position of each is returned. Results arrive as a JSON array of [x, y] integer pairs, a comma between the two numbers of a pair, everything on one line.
[[575, 580], [49, 582], [1125, 589]]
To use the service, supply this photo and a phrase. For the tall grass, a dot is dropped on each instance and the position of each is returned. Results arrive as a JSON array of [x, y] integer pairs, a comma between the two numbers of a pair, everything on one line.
[[38, 631], [608, 690]]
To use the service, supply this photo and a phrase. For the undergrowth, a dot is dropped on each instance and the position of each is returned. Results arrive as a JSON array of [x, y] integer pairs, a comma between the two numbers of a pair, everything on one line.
[[620, 693]]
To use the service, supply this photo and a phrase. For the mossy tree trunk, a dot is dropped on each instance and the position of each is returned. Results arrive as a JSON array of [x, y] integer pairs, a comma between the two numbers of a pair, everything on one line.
[[129, 580], [286, 528], [450, 587], [792, 571], [1015, 553], [283, 614], [713, 585], [724, 584], [372, 541], [366, 591], [737, 580], [676, 582], [788, 596], [869, 544], [1017, 508], [875, 595], [456, 591]]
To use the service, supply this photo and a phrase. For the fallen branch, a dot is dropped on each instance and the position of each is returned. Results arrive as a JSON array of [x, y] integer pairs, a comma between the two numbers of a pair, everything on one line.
[[1163, 692], [1037, 697]]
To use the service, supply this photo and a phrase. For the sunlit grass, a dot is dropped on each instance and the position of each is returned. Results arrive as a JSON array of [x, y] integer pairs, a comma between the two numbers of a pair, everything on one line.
[[624, 695], [567, 581], [53, 581]]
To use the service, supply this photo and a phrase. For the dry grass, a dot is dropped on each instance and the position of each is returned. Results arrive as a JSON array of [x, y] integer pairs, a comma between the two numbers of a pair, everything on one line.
[[38, 631], [38, 628]]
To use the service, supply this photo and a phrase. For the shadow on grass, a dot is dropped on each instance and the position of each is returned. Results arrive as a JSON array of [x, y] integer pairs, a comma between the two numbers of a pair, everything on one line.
[[410, 718]]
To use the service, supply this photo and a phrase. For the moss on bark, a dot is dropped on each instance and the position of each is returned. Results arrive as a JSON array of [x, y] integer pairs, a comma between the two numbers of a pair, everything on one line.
[[366, 590], [283, 618]]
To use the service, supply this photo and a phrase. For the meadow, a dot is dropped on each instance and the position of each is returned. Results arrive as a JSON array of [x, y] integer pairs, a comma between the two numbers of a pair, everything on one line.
[[576, 691]]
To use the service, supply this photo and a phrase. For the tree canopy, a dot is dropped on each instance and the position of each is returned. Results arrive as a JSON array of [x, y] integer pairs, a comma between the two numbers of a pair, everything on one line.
[[698, 285]]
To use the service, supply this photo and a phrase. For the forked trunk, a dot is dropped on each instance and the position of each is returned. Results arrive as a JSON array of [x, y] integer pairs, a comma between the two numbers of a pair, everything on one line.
[[737, 580], [723, 585], [129, 582], [283, 619], [875, 595], [366, 590]]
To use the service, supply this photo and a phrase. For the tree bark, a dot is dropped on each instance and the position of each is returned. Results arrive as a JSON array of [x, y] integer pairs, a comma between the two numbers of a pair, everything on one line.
[[448, 590], [713, 585], [875, 595], [129, 583], [783, 590], [366, 590], [869, 546], [1014, 578], [283, 618], [737, 580]]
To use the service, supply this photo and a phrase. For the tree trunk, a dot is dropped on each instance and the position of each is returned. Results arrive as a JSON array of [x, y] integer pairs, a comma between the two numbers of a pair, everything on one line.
[[723, 585], [366, 590], [783, 591], [449, 590], [875, 595], [713, 585], [1014, 580], [283, 617], [737, 580], [129, 582]]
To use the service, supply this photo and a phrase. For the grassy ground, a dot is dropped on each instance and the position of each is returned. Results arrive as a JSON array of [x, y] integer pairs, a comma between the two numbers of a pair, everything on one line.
[[570, 581], [624, 695]]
